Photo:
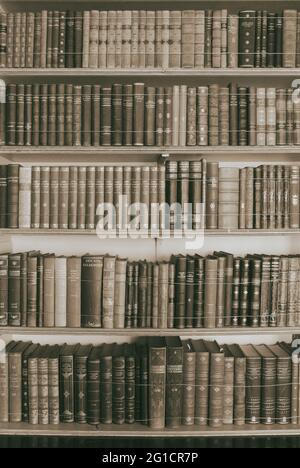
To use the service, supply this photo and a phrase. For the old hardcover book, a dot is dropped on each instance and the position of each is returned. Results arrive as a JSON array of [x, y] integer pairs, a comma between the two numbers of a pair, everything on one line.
[[138, 114], [63, 197], [17, 39], [134, 56], [201, 382], [210, 305], [239, 410], [157, 382], [253, 382], [70, 46], [130, 379], [111, 39], [180, 265], [199, 38], [81, 213], [189, 382], [119, 38], [126, 39], [73, 197], [216, 381], [294, 197], [14, 290], [190, 291], [54, 196], [15, 381], [244, 291], [247, 38], [128, 115], [60, 114], [275, 263], [264, 39], [118, 385], [249, 208], [78, 40], [43, 385], [55, 39], [229, 371], [96, 113], [20, 114], [119, 296], [292, 292], [216, 39], [33, 395], [233, 44], [228, 286], [81, 383], [236, 280], [265, 296], [242, 98], [91, 291], [268, 374], [86, 115], [24, 197], [13, 196], [142, 294], [94, 39], [3, 39], [52, 115], [77, 117], [150, 292], [67, 400], [40, 291], [252, 116], [175, 39], [221, 290], [44, 30], [158, 38], [255, 290], [283, 292], [106, 375], [35, 117], [283, 384], [150, 40], [3, 196], [28, 116], [53, 381], [188, 39], [49, 291], [174, 381], [142, 38], [213, 120], [32, 290], [212, 196], [106, 117], [10, 40], [159, 116], [271, 41], [73, 302], [234, 117], [108, 295], [90, 197], [279, 41], [44, 100], [44, 197], [25, 383], [228, 215], [60, 291], [3, 290], [62, 40], [289, 38]]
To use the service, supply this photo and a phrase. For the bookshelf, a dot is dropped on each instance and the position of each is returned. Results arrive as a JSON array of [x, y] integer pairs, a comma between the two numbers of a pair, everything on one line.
[[139, 154]]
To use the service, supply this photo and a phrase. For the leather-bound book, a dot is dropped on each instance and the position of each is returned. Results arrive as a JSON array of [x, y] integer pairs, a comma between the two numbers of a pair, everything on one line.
[[52, 114], [119, 39], [159, 116], [143, 389], [247, 38], [228, 286], [174, 382], [91, 291], [94, 39], [157, 382], [3, 39], [175, 39], [191, 116], [35, 122], [224, 116], [183, 195], [106, 376], [99, 190], [201, 382], [120, 290], [126, 39], [15, 381], [25, 384], [243, 136], [283, 384], [61, 292], [212, 195], [108, 295], [106, 117], [271, 197], [77, 115], [199, 38], [168, 116], [239, 410], [171, 306], [135, 24], [67, 376], [228, 216], [150, 39], [130, 378], [171, 188], [180, 291], [233, 46], [90, 197], [44, 197], [43, 35], [265, 296], [224, 38], [253, 384], [3, 195], [117, 98], [128, 115], [271, 42], [53, 382], [28, 116], [258, 38], [275, 262], [3, 290], [73, 292], [81, 213], [43, 385], [55, 39], [283, 291], [242, 198], [14, 290], [244, 293], [49, 291], [78, 40], [202, 116], [17, 39], [269, 377], [142, 38], [213, 120], [10, 40], [129, 295], [48, 42], [290, 116], [35, 197], [208, 38], [86, 115], [294, 197], [54, 196], [296, 132], [40, 291], [195, 194], [216, 39], [252, 116], [118, 384], [255, 290], [62, 40], [228, 410], [182, 115], [210, 305], [189, 382], [258, 197], [265, 197], [69, 39], [281, 117], [279, 40], [250, 198], [190, 291], [149, 295], [60, 114], [236, 282], [234, 115], [292, 292], [32, 290], [188, 39], [24, 197], [81, 358], [271, 117], [289, 38], [142, 295], [163, 295], [44, 101], [138, 114], [264, 39], [20, 114], [11, 117], [216, 381], [295, 381], [33, 395], [103, 37], [63, 198], [221, 291], [73, 197]]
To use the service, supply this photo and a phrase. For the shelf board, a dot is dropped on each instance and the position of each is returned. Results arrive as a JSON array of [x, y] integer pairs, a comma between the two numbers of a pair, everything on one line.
[[138, 430], [238, 331], [207, 233], [151, 72]]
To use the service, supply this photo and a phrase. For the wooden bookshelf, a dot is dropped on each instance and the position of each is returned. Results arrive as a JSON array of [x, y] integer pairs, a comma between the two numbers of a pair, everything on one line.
[[196, 332], [138, 430]]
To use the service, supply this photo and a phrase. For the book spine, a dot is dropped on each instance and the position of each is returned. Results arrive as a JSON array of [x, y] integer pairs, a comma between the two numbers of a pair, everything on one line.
[[239, 410], [138, 114], [49, 292], [70, 44], [174, 382], [15, 386], [106, 117], [150, 39], [81, 388], [106, 401], [119, 39], [67, 388], [86, 39], [91, 291], [247, 39], [213, 121], [191, 117], [61, 292], [175, 40], [283, 395], [13, 196], [33, 398], [236, 282], [3, 39], [188, 389], [253, 391], [32, 291], [216, 39], [94, 39], [210, 306], [17, 40], [118, 390], [149, 117], [233, 45], [130, 377], [53, 381], [78, 40], [4, 390], [188, 39], [202, 389], [212, 195], [29, 41], [3, 291], [55, 40], [157, 385], [228, 391], [43, 391], [108, 292], [283, 292], [289, 38], [271, 41], [62, 40], [268, 400]]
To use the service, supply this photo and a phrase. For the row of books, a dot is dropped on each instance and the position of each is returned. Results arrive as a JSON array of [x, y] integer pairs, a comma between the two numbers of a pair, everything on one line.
[[159, 382], [103, 291], [140, 39], [140, 115], [179, 197]]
